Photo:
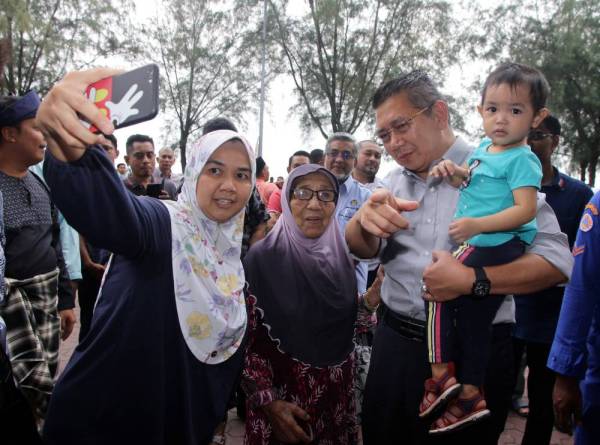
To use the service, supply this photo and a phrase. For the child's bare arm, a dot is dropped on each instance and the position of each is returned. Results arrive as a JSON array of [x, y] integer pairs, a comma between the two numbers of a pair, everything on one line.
[[454, 174], [508, 219]]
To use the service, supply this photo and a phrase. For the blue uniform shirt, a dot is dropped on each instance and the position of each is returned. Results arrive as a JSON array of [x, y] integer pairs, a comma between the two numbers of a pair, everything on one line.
[[568, 197], [69, 238], [352, 196], [489, 189], [537, 314], [576, 348]]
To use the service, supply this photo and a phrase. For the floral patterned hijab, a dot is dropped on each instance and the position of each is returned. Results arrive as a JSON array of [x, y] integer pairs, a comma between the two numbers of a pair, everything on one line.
[[207, 272]]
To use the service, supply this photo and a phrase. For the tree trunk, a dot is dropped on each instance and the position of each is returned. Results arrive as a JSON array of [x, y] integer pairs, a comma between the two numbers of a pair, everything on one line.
[[592, 171], [582, 170], [182, 146], [9, 80]]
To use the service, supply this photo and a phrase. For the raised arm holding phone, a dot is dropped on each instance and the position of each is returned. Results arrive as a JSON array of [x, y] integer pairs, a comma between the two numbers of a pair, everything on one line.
[[170, 318]]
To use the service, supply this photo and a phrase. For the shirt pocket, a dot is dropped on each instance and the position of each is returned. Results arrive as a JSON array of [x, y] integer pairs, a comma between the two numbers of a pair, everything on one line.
[[348, 212]]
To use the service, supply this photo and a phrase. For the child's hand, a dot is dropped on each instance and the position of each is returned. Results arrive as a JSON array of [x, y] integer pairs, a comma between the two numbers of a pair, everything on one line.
[[464, 228], [444, 169]]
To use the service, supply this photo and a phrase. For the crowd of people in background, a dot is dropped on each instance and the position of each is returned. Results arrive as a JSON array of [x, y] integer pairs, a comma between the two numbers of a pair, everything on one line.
[[334, 306]]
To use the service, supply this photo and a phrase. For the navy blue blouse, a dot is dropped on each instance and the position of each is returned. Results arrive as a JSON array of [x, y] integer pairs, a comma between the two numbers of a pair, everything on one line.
[[133, 378]]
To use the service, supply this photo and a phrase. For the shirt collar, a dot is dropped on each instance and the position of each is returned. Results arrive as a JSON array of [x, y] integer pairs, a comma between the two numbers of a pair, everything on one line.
[[458, 153], [132, 182], [348, 183], [557, 181]]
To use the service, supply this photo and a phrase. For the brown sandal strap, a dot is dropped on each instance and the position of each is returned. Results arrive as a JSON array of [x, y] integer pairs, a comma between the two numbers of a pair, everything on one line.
[[437, 386]]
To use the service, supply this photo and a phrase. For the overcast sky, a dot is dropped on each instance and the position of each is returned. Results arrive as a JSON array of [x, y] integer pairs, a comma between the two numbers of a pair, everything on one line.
[[282, 134]]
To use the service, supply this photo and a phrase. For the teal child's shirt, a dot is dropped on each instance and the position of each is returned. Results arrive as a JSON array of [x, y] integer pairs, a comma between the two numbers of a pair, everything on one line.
[[488, 190]]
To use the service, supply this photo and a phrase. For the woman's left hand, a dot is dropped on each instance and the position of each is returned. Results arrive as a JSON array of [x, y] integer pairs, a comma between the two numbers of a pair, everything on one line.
[[373, 295], [282, 416]]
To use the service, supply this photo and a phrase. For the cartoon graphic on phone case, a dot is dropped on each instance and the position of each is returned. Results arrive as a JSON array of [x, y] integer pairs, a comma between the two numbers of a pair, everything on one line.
[[126, 99]]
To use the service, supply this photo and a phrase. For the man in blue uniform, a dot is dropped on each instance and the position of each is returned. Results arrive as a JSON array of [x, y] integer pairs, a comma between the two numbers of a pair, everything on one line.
[[575, 353], [537, 314], [341, 151]]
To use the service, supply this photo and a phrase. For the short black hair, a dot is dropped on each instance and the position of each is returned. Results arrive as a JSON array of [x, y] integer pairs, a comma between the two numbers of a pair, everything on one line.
[[345, 137], [112, 139], [316, 155], [552, 124], [367, 141], [260, 165], [421, 91], [136, 138], [298, 153], [121, 163], [514, 74], [218, 123]]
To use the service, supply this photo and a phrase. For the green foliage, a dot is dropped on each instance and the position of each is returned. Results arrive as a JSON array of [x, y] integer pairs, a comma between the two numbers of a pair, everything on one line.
[[340, 51], [209, 63], [46, 38], [562, 39]]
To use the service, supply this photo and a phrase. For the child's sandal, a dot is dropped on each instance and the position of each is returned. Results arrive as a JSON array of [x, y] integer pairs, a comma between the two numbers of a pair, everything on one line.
[[437, 395], [460, 414]]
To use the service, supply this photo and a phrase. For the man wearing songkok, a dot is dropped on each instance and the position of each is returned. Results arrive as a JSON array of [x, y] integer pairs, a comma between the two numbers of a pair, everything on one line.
[[37, 284]]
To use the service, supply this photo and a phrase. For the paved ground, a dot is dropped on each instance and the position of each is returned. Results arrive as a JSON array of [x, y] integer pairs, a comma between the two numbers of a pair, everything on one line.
[[513, 432]]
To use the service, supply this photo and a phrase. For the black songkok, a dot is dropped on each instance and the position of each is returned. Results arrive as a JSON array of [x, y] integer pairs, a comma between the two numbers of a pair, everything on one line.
[[24, 108]]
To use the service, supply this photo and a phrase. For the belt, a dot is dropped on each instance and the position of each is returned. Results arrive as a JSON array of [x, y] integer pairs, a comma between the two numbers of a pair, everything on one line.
[[407, 327]]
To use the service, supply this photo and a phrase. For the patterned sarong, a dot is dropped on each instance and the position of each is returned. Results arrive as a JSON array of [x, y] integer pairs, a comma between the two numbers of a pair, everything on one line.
[[33, 332]]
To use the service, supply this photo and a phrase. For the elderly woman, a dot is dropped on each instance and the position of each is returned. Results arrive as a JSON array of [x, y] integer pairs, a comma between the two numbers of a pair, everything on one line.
[[303, 303], [163, 351]]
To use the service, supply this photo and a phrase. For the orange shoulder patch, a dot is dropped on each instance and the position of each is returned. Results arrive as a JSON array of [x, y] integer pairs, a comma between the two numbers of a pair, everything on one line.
[[578, 250], [592, 208]]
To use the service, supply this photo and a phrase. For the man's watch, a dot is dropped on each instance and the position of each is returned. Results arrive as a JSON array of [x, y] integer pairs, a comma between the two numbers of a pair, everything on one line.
[[481, 285]]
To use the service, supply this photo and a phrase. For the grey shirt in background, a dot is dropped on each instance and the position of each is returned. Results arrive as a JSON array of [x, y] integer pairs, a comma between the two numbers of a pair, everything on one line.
[[428, 231]]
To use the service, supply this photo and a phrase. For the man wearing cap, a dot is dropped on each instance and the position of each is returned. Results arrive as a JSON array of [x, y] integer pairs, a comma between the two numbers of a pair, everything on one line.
[[38, 288]]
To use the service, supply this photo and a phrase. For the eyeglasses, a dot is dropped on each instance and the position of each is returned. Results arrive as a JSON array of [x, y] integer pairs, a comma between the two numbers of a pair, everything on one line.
[[140, 155], [322, 195], [346, 155], [537, 135], [398, 126]]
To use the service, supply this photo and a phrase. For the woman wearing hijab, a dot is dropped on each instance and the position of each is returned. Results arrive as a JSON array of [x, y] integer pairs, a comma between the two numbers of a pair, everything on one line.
[[163, 351], [298, 371]]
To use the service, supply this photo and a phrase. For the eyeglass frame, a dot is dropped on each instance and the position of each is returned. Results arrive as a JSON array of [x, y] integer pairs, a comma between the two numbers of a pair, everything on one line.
[[141, 155], [312, 194], [394, 128], [346, 155]]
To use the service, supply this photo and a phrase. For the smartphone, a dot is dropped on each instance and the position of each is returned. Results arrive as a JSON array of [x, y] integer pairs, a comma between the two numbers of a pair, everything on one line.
[[128, 98], [154, 190]]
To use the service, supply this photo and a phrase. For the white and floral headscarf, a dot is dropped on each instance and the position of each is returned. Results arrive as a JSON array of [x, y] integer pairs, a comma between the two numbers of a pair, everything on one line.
[[207, 272]]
